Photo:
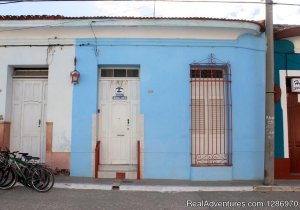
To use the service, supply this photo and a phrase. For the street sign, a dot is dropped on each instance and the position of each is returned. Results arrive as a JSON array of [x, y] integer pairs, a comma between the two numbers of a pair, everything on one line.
[[119, 94]]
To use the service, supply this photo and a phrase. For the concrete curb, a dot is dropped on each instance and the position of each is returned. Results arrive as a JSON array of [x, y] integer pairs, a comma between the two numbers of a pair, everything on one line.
[[152, 188], [276, 188], [159, 188], [166, 188], [81, 186]]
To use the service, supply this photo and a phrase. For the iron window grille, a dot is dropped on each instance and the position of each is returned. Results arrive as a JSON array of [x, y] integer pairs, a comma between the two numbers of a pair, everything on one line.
[[211, 117]]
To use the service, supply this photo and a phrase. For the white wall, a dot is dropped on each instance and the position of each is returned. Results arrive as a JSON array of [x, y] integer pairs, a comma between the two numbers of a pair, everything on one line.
[[34, 31], [130, 32], [16, 56], [60, 89], [59, 60], [296, 42], [3, 84]]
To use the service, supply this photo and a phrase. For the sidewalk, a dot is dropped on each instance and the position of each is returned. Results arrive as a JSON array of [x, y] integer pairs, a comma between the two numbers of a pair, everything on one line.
[[159, 185]]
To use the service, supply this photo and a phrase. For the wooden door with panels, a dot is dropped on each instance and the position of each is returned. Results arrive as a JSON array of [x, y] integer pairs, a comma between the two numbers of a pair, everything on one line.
[[118, 106], [28, 112], [293, 110]]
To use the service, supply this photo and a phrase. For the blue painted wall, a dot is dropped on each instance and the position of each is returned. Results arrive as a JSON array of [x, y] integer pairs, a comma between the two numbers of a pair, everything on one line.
[[284, 58], [85, 104], [164, 66]]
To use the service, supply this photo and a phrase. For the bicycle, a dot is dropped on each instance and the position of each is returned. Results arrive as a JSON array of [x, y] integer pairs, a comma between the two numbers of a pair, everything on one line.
[[24, 170], [8, 176]]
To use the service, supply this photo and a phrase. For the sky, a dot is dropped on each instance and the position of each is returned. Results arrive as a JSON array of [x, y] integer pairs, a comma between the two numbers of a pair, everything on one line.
[[282, 14]]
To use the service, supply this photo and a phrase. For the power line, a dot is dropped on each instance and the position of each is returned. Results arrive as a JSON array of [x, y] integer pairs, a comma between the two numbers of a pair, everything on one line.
[[11, 2], [41, 26], [50, 25], [77, 20], [187, 1]]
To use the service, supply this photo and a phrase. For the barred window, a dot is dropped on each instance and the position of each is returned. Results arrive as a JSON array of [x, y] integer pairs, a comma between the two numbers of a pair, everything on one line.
[[210, 114]]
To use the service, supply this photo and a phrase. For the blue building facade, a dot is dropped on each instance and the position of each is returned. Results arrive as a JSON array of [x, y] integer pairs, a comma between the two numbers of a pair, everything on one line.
[[165, 102]]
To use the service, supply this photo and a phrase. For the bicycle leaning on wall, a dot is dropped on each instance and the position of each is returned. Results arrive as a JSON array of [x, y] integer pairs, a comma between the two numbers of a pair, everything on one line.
[[21, 167]]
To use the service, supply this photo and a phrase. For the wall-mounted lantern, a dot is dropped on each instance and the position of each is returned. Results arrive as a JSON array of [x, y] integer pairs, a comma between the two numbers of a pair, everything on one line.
[[75, 75]]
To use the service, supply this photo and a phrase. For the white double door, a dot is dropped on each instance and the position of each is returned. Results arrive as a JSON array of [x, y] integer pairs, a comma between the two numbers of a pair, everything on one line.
[[119, 106], [29, 103]]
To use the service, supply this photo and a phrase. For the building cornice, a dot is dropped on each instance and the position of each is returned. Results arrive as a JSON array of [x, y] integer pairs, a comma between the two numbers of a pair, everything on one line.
[[52, 21]]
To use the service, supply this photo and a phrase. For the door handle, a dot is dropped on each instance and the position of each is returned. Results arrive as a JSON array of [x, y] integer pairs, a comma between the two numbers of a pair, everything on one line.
[[39, 124], [120, 135], [128, 121]]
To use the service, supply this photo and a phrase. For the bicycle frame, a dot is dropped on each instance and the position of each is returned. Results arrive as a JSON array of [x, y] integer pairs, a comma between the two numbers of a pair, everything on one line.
[[21, 167]]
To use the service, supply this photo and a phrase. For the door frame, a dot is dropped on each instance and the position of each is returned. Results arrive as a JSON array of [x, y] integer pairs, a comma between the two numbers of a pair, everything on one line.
[[292, 104], [283, 74]]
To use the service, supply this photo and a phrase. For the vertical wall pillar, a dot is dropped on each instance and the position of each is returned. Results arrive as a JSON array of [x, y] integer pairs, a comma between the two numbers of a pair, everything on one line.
[[85, 105], [4, 134], [49, 137]]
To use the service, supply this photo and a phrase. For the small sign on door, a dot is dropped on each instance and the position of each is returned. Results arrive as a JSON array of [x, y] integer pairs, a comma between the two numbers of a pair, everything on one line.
[[295, 84], [119, 94]]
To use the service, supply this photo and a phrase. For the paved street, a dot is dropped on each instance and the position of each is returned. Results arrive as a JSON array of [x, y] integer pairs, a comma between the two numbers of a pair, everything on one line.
[[68, 199]]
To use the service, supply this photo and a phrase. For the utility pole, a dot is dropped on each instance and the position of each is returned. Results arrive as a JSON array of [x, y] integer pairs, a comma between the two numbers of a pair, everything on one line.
[[270, 119]]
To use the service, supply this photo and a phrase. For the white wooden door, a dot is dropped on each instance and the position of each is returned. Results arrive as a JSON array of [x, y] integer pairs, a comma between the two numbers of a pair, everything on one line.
[[29, 102], [119, 105], [119, 132]]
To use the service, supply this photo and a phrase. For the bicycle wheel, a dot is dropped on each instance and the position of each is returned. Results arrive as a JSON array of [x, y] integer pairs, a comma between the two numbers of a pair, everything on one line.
[[9, 178], [2, 175], [42, 179], [2, 170], [5, 176]]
